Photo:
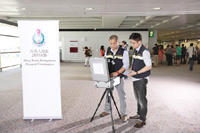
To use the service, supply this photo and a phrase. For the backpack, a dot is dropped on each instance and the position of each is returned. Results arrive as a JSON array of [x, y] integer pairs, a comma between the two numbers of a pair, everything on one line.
[[89, 52]]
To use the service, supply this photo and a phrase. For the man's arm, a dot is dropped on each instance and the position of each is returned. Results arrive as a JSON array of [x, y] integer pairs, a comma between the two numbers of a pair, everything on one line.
[[147, 61], [125, 65], [121, 70]]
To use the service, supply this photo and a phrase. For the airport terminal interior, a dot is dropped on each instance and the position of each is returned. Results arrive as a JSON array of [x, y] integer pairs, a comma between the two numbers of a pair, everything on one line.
[[173, 90]]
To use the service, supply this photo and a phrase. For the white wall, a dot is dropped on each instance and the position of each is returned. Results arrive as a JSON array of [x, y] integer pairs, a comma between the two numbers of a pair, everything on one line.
[[93, 39]]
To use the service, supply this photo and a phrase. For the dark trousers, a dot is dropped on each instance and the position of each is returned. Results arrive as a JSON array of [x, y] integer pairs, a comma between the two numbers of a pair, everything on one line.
[[169, 60], [183, 58], [140, 91], [198, 58], [191, 62]]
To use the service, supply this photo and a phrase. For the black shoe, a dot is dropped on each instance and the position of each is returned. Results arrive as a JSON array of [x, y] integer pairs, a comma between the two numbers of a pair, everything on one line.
[[140, 124], [103, 114]]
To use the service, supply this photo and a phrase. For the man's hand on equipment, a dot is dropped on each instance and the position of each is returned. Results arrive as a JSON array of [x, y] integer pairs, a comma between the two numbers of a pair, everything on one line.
[[114, 74], [132, 73]]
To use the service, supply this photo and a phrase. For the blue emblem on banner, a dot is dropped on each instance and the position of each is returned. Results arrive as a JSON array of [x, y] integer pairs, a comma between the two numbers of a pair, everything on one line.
[[38, 38]]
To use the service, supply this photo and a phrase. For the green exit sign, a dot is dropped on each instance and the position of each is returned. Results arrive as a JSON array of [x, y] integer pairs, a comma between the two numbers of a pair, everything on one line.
[[151, 33]]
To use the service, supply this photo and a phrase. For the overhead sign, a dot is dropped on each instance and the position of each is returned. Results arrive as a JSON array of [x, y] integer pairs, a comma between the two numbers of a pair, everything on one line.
[[151, 33]]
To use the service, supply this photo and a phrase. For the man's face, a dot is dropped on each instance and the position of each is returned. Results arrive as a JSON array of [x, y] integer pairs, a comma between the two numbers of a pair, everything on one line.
[[123, 44], [135, 44], [113, 44]]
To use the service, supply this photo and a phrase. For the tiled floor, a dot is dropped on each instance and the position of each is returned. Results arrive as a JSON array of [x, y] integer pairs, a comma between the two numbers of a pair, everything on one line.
[[173, 103]]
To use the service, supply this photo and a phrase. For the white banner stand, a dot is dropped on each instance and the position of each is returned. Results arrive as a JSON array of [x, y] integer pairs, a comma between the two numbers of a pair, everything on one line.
[[40, 69]]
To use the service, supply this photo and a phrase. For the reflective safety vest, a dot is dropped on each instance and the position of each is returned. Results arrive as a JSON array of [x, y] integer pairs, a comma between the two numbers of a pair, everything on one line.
[[138, 63], [115, 62]]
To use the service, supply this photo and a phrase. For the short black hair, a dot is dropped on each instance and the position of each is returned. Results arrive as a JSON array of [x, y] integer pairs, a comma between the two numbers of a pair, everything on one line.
[[102, 47], [113, 37], [124, 42], [182, 45], [191, 44], [136, 36], [156, 44]]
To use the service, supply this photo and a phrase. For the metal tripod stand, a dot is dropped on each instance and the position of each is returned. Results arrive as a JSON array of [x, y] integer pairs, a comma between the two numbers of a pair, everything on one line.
[[108, 91]]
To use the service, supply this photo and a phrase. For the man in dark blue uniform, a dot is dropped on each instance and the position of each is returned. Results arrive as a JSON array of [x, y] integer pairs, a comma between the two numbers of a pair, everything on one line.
[[141, 67], [118, 62]]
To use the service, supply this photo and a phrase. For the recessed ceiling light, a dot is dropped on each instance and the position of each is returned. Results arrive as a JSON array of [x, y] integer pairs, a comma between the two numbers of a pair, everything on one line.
[[21, 9], [156, 8], [141, 21], [173, 17], [157, 24], [165, 21], [89, 9]]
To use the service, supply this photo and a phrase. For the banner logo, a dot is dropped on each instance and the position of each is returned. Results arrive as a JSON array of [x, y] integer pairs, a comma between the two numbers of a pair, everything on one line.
[[38, 38]]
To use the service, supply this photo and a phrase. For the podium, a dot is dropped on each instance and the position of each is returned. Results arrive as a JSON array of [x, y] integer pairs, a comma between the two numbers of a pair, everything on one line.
[[100, 75]]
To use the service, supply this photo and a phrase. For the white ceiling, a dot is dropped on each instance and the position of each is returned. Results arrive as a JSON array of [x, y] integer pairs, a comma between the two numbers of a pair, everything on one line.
[[173, 20]]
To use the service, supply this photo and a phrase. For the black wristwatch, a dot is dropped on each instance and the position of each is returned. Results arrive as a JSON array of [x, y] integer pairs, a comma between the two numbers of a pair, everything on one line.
[[136, 73]]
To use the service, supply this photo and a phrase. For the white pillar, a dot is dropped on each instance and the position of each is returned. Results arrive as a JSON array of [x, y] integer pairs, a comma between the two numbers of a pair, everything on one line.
[[153, 40]]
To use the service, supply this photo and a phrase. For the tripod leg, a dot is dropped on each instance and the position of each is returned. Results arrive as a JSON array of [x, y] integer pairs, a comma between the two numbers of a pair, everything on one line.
[[109, 101], [115, 104], [98, 105]]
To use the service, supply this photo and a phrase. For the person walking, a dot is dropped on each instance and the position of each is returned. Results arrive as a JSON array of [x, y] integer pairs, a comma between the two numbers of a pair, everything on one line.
[[191, 52], [88, 54]]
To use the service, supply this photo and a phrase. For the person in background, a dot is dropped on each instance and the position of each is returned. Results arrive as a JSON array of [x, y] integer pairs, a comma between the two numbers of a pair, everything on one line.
[[183, 54], [124, 45], [160, 55], [173, 54], [88, 54], [191, 51], [102, 51], [169, 55], [197, 48], [130, 55], [90, 51], [198, 56], [147, 46], [178, 54], [155, 54], [167, 59]]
